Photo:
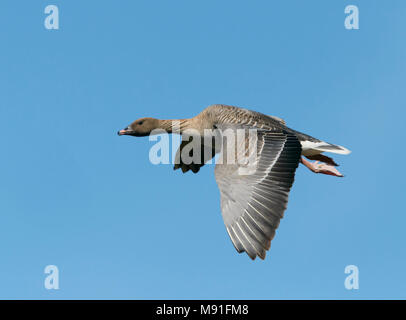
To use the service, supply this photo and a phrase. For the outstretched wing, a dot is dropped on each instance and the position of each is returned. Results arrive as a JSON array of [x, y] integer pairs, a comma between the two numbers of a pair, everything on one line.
[[253, 204]]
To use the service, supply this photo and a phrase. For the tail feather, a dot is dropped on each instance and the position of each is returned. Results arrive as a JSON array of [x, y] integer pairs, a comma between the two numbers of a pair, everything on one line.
[[312, 148], [327, 147]]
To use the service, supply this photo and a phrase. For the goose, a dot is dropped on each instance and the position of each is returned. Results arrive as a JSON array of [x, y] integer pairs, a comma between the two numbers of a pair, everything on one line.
[[252, 205]]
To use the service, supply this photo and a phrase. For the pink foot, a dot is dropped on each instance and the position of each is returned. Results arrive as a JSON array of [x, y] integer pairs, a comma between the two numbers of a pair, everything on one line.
[[317, 167]]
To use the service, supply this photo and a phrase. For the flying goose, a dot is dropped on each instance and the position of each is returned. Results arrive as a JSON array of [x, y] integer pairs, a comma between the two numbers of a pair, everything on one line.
[[251, 204]]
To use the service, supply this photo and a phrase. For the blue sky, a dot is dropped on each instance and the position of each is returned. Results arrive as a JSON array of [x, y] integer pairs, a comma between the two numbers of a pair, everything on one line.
[[75, 195]]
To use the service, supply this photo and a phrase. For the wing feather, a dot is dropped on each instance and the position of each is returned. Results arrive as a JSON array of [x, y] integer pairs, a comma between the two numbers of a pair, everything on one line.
[[252, 205]]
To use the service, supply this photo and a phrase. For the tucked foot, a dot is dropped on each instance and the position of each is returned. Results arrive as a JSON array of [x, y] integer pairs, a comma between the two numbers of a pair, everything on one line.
[[318, 167], [323, 158]]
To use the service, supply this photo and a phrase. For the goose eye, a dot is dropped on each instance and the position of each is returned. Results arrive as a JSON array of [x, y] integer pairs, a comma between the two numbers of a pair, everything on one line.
[[141, 122]]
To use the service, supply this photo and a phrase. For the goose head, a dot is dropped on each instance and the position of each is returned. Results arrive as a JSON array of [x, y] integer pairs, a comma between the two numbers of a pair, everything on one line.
[[140, 128]]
